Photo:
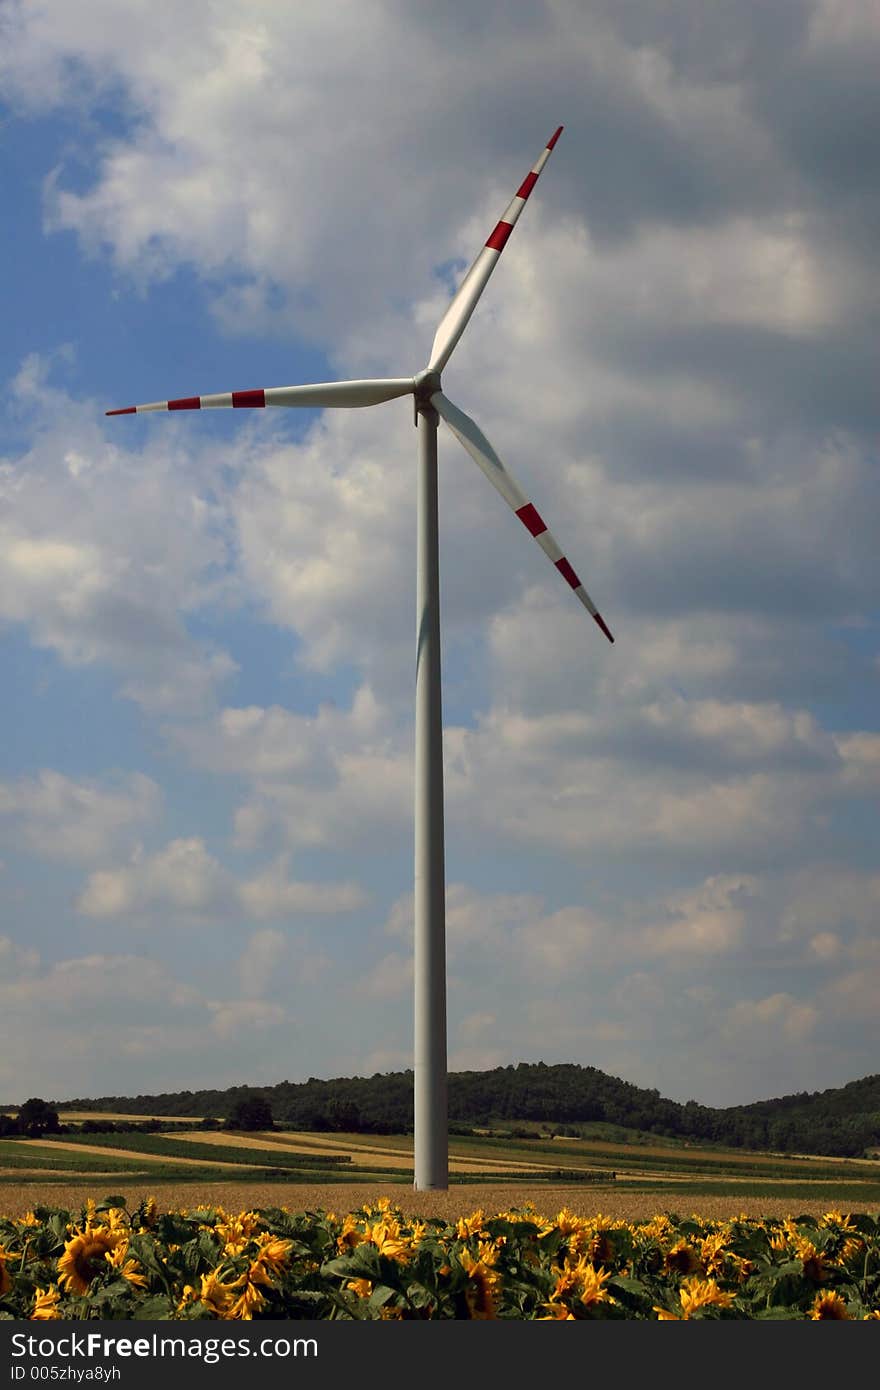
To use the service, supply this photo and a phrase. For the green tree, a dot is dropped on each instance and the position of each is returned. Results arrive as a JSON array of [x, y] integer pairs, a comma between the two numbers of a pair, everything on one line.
[[252, 1112], [37, 1117]]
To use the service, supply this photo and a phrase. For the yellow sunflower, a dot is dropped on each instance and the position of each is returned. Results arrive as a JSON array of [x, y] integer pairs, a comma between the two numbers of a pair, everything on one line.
[[362, 1287], [812, 1259], [350, 1235], [216, 1295], [829, 1306], [274, 1252], [593, 1290], [46, 1305], [480, 1291], [83, 1256], [249, 1301], [835, 1218], [151, 1212], [702, 1293], [389, 1240], [683, 1258], [470, 1225], [236, 1231]]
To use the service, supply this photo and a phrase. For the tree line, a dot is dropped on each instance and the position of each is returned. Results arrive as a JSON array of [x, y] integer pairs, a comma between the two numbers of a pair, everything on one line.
[[844, 1121]]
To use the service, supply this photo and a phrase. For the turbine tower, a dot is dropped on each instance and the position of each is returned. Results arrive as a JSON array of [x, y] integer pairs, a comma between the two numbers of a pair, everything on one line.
[[431, 1113]]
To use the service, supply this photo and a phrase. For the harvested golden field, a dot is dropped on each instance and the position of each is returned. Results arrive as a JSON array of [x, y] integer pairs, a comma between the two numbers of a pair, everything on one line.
[[67, 1116], [359, 1150], [461, 1200]]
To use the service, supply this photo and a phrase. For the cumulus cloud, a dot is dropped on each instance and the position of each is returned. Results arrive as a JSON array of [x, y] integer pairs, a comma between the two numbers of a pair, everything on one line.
[[58, 817], [104, 553], [185, 880]]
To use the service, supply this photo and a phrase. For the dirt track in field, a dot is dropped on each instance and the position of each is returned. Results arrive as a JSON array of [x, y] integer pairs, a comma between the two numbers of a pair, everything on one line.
[[458, 1201]]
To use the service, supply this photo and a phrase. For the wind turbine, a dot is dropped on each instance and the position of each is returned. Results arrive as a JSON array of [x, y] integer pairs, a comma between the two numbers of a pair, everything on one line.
[[431, 1132]]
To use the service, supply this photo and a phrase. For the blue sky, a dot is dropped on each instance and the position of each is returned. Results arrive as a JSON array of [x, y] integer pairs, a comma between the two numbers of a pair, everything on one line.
[[662, 855]]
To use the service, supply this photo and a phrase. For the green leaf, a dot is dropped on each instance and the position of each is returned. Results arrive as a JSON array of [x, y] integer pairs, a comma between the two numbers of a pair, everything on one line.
[[158, 1307]]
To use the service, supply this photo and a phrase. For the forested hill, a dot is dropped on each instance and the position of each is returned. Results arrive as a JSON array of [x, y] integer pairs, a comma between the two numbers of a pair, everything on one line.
[[845, 1121]]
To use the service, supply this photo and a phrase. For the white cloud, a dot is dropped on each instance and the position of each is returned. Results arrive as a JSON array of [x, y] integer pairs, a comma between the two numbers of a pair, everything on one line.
[[232, 1017], [182, 878], [187, 881], [57, 817], [273, 894], [103, 553]]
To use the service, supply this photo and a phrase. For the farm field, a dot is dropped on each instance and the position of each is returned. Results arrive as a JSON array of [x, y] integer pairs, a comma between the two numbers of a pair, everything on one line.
[[306, 1171]]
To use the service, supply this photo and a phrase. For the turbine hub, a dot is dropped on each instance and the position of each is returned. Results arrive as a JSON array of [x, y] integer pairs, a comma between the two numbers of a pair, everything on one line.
[[425, 384]]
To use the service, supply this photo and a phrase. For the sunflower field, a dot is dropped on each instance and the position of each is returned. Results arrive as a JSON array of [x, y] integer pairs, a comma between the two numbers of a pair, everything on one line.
[[106, 1262]]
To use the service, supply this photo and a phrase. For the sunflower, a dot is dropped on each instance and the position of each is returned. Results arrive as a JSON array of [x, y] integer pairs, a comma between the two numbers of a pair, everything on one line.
[[712, 1253], [128, 1268], [567, 1281], [46, 1305], [249, 1301], [593, 1291], [657, 1228], [389, 1240], [829, 1306], [702, 1293], [236, 1231], [683, 1258], [601, 1248], [812, 1259], [480, 1291], [557, 1313], [350, 1235], [151, 1211], [83, 1256], [216, 1295], [835, 1218], [362, 1287], [470, 1225], [274, 1252]]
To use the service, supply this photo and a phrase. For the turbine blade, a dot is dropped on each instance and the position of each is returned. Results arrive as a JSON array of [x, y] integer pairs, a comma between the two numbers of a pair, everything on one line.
[[472, 438], [454, 321], [323, 393]]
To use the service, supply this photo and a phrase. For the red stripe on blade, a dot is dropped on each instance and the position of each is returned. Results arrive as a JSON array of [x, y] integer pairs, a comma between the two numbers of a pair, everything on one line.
[[601, 623], [186, 403], [129, 410], [552, 141], [242, 399], [527, 185], [531, 519], [568, 573], [498, 239]]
